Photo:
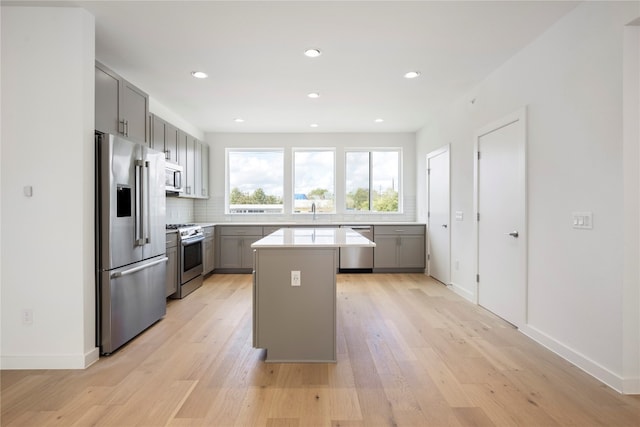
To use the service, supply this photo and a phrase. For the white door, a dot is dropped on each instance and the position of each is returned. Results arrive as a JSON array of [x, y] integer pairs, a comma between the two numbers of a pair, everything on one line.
[[438, 226], [501, 223]]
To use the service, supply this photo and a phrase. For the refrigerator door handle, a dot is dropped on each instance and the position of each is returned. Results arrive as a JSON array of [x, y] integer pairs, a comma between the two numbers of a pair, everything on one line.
[[136, 269], [139, 201], [146, 220]]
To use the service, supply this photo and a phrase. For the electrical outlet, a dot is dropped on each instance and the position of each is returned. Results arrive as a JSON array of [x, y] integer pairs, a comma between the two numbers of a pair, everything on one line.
[[295, 278], [27, 316]]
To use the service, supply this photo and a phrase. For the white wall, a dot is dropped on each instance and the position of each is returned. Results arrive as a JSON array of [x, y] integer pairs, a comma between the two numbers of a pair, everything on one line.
[[212, 210], [47, 244], [570, 79], [631, 154], [164, 112]]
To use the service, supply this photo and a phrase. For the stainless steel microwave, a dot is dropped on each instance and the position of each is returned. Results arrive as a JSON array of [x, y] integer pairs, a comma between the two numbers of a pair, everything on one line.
[[173, 178]]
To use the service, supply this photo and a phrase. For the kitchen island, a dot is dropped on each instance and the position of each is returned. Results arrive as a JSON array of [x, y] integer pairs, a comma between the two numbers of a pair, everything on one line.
[[294, 292]]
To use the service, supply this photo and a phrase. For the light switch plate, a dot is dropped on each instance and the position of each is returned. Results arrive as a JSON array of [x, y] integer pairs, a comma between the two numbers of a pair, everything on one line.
[[459, 216], [582, 220]]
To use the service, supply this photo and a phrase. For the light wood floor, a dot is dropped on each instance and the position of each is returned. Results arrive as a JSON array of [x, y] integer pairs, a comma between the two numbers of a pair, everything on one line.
[[410, 353]]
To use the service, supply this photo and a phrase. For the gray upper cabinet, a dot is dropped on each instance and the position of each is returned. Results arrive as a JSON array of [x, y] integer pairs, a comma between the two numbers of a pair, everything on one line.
[[157, 133], [190, 169], [134, 111], [196, 166], [120, 107], [182, 152], [197, 169], [171, 142], [106, 98], [201, 170], [185, 159], [205, 171], [181, 148], [164, 137]]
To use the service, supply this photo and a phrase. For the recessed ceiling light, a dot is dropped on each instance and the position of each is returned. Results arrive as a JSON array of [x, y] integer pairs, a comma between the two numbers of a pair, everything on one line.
[[313, 52], [313, 95], [238, 120], [313, 125], [379, 120], [199, 74], [412, 74]]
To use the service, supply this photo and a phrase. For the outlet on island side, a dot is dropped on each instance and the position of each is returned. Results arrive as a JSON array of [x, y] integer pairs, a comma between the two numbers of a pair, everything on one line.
[[295, 278], [27, 317]]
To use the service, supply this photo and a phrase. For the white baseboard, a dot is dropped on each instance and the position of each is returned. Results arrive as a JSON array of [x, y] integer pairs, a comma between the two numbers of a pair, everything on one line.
[[613, 380], [463, 292], [50, 361]]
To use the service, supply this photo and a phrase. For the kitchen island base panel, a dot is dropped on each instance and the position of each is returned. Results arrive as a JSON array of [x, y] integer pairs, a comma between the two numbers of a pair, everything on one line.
[[295, 323]]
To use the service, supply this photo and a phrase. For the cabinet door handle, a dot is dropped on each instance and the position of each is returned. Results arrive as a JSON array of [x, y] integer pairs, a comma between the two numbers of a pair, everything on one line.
[[167, 154], [126, 127], [121, 126]]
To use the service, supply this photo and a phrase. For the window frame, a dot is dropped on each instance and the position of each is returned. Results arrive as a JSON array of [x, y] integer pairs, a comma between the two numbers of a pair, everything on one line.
[[295, 150], [370, 151], [227, 191]]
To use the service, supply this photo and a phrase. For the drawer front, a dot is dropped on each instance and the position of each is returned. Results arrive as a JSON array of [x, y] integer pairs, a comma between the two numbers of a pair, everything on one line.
[[398, 230], [208, 232], [241, 231], [172, 239]]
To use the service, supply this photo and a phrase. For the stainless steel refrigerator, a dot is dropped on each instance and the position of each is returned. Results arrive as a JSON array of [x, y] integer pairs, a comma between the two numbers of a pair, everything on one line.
[[130, 240]]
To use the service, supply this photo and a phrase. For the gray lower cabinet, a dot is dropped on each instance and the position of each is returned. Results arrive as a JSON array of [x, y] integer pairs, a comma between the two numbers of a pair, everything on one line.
[[208, 257], [399, 248], [234, 252], [172, 264], [120, 107]]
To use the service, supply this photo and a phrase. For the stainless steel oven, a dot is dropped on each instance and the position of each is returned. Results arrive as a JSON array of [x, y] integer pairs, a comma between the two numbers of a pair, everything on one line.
[[190, 253]]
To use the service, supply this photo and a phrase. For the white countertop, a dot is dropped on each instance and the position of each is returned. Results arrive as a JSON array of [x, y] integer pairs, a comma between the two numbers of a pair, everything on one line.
[[313, 238]]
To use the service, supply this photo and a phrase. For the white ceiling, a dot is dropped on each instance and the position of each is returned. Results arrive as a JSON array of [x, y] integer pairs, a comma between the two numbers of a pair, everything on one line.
[[253, 53]]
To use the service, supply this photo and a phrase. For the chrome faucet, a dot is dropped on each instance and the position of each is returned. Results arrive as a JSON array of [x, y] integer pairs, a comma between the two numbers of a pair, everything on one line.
[[313, 210]]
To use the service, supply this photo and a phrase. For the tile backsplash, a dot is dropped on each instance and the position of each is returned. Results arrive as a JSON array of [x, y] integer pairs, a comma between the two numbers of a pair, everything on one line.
[[179, 210], [212, 210]]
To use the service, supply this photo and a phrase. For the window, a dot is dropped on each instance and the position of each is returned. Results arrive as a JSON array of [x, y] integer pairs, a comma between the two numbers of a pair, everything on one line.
[[372, 180], [255, 181], [313, 180]]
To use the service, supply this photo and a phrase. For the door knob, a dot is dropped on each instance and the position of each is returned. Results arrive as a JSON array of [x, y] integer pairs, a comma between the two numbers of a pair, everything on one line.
[[444, 225], [513, 234]]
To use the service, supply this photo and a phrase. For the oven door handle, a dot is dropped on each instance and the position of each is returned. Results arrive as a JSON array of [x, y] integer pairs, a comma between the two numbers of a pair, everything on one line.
[[192, 240], [136, 269]]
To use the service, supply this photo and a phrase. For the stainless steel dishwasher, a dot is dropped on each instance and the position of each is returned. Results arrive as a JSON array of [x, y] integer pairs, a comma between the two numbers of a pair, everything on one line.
[[357, 259]]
